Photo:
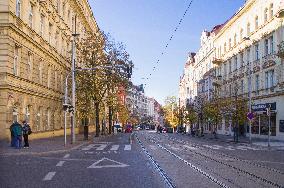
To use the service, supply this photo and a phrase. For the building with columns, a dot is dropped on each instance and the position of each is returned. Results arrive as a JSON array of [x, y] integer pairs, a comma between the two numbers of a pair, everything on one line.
[[35, 45], [247, 61]]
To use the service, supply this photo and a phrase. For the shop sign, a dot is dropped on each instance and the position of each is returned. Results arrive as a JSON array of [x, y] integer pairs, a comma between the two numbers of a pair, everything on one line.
[[262, 107]]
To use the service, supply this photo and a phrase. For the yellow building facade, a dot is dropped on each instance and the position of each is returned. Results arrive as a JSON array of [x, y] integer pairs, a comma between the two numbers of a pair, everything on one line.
[[35, 57]]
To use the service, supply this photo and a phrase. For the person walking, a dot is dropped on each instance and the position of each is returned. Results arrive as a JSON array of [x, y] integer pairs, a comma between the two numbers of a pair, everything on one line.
[[17, 131], [26, 132], [13, 136]]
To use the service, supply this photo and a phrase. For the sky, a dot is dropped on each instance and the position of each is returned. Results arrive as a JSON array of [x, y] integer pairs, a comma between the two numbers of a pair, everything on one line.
[[145, 27]]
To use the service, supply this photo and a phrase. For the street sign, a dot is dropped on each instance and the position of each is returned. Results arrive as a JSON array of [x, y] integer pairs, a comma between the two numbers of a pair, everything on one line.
[[262, 107], [250, 115]]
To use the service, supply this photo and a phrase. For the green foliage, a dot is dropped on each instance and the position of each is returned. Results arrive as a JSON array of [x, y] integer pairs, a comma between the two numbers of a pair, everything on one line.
[[170, 109]]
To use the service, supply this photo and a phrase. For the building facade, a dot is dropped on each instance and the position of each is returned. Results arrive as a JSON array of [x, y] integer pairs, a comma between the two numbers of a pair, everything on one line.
[[247, 62], [35, 45]]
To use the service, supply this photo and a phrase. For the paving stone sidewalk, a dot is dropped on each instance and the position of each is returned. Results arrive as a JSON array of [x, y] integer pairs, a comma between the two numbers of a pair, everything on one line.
[[47, 145]]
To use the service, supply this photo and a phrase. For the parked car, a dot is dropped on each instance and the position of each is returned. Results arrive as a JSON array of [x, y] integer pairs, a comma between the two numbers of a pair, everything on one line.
[[118, 127], [170, 130]]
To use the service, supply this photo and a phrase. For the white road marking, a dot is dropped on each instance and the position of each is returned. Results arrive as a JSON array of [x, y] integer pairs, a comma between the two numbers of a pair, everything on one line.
[[230, 148], [115, 164], [88, 147], [189, 147], [60, 163], [102, 147], [127, 147], [49, 176], [114, 147], [66, 156]]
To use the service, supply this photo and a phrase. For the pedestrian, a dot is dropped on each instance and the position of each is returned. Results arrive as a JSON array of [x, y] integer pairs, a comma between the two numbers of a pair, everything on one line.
[[17, 131], [13, 136], [26, 132]]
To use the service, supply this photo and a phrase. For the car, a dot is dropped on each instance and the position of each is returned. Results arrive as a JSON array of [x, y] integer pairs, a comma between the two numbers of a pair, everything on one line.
[[164, 130], [147, 128], [118, 127]]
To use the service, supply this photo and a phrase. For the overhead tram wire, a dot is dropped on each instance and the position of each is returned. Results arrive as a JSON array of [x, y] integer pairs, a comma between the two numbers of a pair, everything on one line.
[[170, 39]]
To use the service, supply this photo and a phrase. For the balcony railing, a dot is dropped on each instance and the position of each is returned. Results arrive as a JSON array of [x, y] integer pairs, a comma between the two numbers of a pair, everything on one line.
[[280, 52], [269, 60], [217, 81], [217, 61]]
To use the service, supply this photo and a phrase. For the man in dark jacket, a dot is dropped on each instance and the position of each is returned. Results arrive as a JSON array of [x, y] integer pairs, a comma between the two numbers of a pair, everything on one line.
[[18, 131]]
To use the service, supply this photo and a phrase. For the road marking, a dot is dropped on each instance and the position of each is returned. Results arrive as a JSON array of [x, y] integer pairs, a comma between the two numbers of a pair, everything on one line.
[[66, 156], [102, 147], [127, 147], [114, 147], [189, 147], [88, 147], [49, 176], [60, 163], [115, 164]]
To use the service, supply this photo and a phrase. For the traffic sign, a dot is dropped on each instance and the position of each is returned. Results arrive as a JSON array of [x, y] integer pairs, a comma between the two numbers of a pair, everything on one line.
[[250, 115]]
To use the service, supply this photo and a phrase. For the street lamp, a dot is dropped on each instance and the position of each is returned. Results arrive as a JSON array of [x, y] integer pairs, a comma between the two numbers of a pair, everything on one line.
[[248, 39]]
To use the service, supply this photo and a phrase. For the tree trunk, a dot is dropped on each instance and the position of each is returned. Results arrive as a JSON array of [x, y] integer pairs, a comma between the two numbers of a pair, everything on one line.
[[97, 119], [109, 119]]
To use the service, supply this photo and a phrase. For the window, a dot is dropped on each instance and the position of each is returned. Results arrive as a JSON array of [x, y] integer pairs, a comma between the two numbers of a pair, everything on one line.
[[271, 11], [55, 80], [63, 10], [48, 77], [248, 55], [50, 34], [269, 79], [257, 84], [29, 72], [256, 47], [271, 44], [235, 39], [256, 22], [187, 90], [230, 66], [265, 15], [248, 29], [48, 114], [58, 6], [18, 8], [40, 72], [225, 47], [31, 15], [225, 69], [266, 47], [16, 61], [242, 58], [41, 24], [241, 34], [236, 62], [230, 43], [56, 39]]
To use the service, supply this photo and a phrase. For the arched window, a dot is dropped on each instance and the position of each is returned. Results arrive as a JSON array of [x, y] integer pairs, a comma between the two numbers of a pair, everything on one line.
[[248, 29], [27, 113], [256, 22], [16, 61], [15, 114], [30, 65], [265, 16], [271, 11]]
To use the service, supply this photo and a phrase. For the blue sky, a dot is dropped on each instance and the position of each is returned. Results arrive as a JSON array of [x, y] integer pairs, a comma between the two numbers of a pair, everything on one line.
[[145, 26]]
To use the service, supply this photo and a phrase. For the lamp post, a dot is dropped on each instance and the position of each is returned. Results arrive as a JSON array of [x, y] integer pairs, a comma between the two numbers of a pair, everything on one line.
[[249, 87]]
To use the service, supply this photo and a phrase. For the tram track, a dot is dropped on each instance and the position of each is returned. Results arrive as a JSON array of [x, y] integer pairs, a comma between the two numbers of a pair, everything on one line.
[[254, 177]]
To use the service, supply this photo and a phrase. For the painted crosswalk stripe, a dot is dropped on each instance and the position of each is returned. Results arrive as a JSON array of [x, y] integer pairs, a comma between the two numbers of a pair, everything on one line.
[[88, 147], [102, 147], [114, 147], [127, 147], [66, 156], [49, 176], [60, 163]]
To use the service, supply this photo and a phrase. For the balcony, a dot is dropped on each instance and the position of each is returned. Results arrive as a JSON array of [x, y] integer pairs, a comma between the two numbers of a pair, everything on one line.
[[280, 52], [280, 13], [256, 66], [217, 61], [268, 60], [217, 81]]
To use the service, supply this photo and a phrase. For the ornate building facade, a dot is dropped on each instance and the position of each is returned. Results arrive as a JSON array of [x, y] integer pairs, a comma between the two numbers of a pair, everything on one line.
[[247, 58], [35, 45]]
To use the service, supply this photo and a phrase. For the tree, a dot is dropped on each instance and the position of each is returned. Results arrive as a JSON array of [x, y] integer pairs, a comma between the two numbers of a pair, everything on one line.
[[108, 63], [190, 115], [171, 111]]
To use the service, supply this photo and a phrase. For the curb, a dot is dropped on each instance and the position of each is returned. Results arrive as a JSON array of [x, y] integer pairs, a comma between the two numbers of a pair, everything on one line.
[[43, 153]]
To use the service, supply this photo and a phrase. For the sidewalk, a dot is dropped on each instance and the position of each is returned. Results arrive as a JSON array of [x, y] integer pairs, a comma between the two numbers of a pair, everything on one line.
[[47, 145], [245, 140]]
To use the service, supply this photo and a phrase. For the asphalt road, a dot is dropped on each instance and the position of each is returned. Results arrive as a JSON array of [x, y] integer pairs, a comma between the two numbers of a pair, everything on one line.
[[151, 160]]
